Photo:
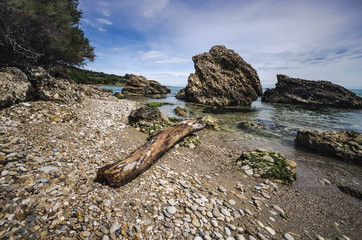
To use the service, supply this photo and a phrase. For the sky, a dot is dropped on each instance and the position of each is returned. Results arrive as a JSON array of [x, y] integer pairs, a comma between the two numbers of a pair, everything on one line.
[[308, 39]]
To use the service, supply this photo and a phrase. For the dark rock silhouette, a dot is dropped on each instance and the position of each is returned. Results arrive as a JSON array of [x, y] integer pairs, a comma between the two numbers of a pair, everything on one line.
[[313, 93]]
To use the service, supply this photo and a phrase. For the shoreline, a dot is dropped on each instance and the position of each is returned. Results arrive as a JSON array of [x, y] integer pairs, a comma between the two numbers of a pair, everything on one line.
[[177, 198]]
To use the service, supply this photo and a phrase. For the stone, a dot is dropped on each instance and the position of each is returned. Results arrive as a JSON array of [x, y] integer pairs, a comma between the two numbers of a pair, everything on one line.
[[270, 230], [261, 236], [114, 227], [211, 123], [221, 78], [287, 236], [222, 189], [225, 212], [196, 222], [146, 114], [48, 169], [171, 210], [240, 237], [276, 207], [227, 231], [86, 234], [214, 223], [139, 85], [346, 145], [14, 87], [313, 93], [180, 111]]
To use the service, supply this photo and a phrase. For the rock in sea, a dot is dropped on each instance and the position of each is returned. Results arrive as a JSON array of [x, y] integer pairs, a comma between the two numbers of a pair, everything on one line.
[[221, 78], [314, 93]]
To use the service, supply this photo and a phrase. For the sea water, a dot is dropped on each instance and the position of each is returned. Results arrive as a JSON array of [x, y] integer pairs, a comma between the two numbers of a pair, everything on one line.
[[280, 121]]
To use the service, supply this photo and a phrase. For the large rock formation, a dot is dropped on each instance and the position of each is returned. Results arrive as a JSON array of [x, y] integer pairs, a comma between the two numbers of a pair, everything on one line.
[[343, 145], [14, 86], [139, 85], [36, 84], [221, 78], [314, 93], [51, 89]]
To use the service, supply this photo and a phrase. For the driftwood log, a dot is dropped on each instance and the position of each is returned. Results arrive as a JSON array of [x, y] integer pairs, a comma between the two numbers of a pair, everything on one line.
[[123, 171]]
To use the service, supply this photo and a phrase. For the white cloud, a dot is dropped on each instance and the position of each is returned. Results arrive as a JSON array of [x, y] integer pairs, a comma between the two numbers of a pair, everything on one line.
[[312, 39], [104, 21]]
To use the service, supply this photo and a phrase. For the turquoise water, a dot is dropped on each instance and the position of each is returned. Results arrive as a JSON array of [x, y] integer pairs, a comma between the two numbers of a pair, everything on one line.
[[282, 121]]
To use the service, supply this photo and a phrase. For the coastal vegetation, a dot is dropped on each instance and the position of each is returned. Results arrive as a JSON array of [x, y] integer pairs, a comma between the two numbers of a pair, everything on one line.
[[157, 104], [42, 33], [83, 76]]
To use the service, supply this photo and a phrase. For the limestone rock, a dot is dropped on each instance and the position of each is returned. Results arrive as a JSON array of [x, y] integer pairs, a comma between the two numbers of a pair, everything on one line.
[[345, 145], [314, 93], [139, 85], [146, 114], [14, 86], [221, 78], [180, 111]]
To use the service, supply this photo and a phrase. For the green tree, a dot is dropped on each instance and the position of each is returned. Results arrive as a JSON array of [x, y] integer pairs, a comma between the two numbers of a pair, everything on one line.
[[42, 32]]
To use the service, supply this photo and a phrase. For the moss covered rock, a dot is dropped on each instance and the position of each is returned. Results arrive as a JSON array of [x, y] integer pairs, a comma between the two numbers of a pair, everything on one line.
[[267, 164]]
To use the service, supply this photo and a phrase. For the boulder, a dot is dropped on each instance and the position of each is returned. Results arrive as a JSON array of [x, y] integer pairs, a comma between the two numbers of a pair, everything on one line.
[[180, 111], [51, 89], [314, 93], [14, 86], [146, 114], [139, 85], [346, 145], [221, 78]]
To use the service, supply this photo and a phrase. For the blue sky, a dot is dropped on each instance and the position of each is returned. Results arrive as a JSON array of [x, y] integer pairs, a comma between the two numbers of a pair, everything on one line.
[[316, 39]]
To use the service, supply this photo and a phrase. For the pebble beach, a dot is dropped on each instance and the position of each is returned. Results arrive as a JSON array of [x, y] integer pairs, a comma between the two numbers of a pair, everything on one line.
[[50, 153]]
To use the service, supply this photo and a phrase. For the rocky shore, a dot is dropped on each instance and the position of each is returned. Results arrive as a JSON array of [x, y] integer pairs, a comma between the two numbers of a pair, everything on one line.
[[50, 152]]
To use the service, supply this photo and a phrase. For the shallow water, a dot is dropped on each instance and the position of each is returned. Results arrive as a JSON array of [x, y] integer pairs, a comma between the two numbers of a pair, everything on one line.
[[281, 121]]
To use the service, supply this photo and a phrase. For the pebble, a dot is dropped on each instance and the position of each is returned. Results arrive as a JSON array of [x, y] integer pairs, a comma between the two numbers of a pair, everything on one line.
[[319, 237], [214, 223], [261, 236], [270, 230], [266, 195], [232, 202], [287, 236], [227, 231], [276, 207], [196, 222], [222, 189], [225, 212], [48, 169], [171, 210], [86, 234], [240, 237], [114, 228]]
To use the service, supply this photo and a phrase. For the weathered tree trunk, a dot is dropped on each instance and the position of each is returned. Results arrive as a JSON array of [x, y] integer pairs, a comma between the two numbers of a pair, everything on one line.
[[123, 171]]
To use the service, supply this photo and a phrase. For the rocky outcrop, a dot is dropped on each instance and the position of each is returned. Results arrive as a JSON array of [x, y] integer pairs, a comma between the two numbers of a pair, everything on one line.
[[313, 93], [51, 89], [345, 145], [221, 78], [14, 87], [37, 84], [139, 85]]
